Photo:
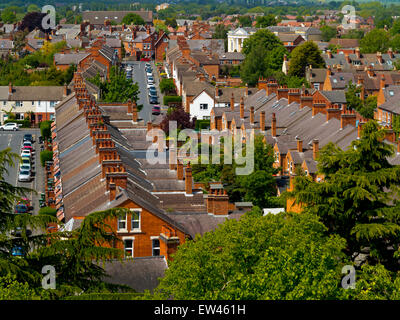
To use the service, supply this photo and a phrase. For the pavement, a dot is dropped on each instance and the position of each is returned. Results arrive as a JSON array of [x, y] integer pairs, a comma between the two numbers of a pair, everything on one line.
[[14, 141], [139, 76]]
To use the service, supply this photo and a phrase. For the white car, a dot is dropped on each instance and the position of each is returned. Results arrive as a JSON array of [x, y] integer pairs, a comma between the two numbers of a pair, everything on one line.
[[24, 175], [149, 74], [26, 152], [11, 126], [25, 167], [150, 85]]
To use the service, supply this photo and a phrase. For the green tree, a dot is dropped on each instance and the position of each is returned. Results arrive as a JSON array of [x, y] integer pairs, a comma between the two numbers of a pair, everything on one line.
[[171, 22], [8, 16], [374, 41], [266, 21], [283, 256], [304, 55], [11, 289], [245, 21], [167, 86], [33, 8], [354, 102], [357, 199], [221, 32], [328, 33], [133, 18]]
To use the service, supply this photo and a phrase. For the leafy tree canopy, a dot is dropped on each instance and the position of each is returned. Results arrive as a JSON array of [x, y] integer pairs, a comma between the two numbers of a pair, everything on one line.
[[133, 18], [304, 55]]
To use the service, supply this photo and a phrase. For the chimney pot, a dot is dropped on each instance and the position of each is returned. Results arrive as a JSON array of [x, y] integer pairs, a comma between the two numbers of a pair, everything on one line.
[[315, 149]]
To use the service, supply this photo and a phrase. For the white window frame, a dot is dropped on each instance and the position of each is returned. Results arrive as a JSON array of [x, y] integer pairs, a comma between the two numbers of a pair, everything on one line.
[[202, 106], [139, 210], [126, 222], [133, 246], [155, 248]]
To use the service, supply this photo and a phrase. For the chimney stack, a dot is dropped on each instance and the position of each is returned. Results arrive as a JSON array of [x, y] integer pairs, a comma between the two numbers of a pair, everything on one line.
[[382, 83], [299, 145], [390, 53], [359, 129], [216, 92], [358, 53], [315, 149], [179, 170], [329, 53], [241, 108], [379, 57], [113, 189], [134, 112], [232, 102], [10, 88], [262, 120], [273, 125], [129, 106], [188, 179], [251, 115], [328, 71], [246, 93]]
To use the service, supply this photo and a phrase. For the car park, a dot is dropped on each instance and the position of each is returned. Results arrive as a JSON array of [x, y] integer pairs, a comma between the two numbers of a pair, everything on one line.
[[156, 110], [11, 126], [24, 176]]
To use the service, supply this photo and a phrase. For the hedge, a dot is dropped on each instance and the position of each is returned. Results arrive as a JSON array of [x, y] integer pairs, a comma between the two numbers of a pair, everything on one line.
[[48, 211], [46, 155], [168, 99], [107, 296], [26, 123], [202, 124]]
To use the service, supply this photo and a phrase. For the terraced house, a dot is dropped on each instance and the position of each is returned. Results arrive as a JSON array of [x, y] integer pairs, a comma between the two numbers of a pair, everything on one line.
[[98, 166]]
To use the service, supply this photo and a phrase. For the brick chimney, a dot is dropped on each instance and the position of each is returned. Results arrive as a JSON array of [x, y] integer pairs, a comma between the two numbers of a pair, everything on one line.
[[272, 87], [329, 53], [246, 91], [262, 120], [232, 102], [273, 124], [134, 112], [306, 100], [315, 149], [382, 82], [333, 113], [294, 96], [10, 88], [129, 106], [188, 179], [179, 170], [370, 71], [169, 242], [65, 90], [282, 92], [328, 71], [348, 118], [346, 55], [216, 92], [241, 108], [113, 189], [220, 202], [299, 145], [252, 115], [149, 126]]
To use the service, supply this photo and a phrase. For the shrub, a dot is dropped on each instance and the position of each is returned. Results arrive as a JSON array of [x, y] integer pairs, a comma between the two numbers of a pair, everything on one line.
[[46, 155], [202, 124], [45, 129], [168, 99], [48, 211]]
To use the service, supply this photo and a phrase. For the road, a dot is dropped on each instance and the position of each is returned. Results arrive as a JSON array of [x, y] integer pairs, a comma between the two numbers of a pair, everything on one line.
[[13, 140], [139, 76]]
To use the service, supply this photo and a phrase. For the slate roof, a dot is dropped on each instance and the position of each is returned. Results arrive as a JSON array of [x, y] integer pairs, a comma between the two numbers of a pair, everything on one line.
[[32, 93], [69, 58], [98, 17]]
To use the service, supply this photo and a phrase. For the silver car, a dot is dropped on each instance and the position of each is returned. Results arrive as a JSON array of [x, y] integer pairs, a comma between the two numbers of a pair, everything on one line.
[[24, 175], [11, 126]]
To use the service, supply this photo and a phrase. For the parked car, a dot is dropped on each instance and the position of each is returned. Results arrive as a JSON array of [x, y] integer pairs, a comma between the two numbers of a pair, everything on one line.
[[21, 208], [25, 167], [128, 69], [153, 100], [24, 176], [147, 65], [152, 92], [150, 85], [156, 110], [11, 126], [27, 145], [28, 137], [150, 80], [26, 152], [149, 74], [26, 160]]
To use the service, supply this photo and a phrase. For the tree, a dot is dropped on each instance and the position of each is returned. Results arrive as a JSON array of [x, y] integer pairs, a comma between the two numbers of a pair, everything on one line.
[[266, 21], [33, 8], [221, 32], [180, 116], [167, 86], [133, 18], [328, 33], [264, 55], [357, 199], [374, 41], [304, 55], [283, 256], [8, 16], [171, 22], [354, 102], [245, 21], [45, 129]]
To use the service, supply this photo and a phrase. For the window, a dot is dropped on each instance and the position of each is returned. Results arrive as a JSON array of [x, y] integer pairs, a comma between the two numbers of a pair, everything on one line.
[[33, 103], [128, 247], [122, 224], [203, 106], [316, 86], [52, 103], [18, 103], [135, 222], [156, 246]]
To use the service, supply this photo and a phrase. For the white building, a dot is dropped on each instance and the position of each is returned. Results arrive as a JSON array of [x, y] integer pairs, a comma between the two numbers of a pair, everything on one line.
[[237, 36]]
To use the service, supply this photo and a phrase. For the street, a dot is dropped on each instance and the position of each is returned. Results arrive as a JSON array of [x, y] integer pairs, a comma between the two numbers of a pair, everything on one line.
[[13, 140], [139, 76]]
